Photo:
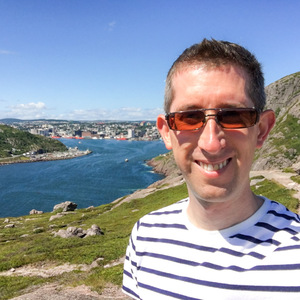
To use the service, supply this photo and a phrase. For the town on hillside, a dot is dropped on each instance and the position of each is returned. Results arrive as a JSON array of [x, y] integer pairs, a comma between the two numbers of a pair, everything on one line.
[[120, 130]]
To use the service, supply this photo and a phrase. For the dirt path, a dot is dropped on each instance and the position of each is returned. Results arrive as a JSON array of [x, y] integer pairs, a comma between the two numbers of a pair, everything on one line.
[[55, 291], [58, 292]]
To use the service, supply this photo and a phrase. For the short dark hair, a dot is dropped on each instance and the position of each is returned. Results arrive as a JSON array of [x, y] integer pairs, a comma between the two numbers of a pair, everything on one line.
[[213, 53]]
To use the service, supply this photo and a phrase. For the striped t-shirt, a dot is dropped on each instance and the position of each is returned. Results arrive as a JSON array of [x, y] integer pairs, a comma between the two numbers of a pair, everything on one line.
[[168, 258]]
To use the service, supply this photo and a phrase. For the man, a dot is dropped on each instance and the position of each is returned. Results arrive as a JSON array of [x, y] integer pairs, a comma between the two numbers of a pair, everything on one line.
[[222, 242]]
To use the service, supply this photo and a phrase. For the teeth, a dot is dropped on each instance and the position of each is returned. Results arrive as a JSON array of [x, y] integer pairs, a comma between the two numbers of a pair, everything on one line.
[[215, 167], [210, 167]]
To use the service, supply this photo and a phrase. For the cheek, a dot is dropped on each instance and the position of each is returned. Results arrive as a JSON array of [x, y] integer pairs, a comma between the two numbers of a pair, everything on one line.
[[185, 139], [246, 146], [183, 144], [183, 150]]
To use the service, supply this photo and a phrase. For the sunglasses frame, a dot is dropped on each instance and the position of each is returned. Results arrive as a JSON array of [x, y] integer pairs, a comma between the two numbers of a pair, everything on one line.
[[208, 116]]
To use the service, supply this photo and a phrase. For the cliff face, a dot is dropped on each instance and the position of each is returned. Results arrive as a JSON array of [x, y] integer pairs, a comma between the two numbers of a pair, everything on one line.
[[282, 148], [284, 94], [165, 164]]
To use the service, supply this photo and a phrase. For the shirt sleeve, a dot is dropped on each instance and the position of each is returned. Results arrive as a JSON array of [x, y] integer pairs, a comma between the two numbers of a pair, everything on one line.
[[130, 284]]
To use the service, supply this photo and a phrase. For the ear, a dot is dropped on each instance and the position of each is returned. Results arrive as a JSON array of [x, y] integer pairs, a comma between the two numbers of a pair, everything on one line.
[[164, 131], [266, 123]]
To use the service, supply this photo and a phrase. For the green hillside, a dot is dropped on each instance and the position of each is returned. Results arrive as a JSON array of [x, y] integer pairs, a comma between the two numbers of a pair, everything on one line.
[[16, 142], [30, 241]]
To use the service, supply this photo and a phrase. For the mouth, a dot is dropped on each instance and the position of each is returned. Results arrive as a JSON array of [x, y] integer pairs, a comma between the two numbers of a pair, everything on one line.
[[213, 167]]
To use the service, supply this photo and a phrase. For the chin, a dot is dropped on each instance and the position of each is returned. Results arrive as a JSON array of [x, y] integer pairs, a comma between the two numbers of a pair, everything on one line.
[[213, 195]]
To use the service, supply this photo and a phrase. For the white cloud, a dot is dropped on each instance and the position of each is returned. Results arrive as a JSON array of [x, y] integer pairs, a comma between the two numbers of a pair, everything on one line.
[[27, 111], [39, 110], [124, 113]]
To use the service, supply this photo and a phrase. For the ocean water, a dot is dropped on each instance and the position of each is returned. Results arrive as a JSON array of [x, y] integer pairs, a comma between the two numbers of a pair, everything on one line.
[[94, 179]]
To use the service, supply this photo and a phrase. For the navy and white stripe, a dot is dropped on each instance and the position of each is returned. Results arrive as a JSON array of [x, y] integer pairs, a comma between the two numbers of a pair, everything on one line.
[[168, 258]]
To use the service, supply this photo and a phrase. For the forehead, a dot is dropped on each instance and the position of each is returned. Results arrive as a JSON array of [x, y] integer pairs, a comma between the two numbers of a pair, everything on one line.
[[202, 86]]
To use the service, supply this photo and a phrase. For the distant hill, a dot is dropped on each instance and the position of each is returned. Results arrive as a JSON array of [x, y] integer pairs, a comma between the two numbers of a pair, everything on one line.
[[282, 148], [9, 120], [16, 142]]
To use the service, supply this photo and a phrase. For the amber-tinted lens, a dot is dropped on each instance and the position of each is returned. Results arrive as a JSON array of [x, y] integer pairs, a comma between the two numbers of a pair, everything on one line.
[[237, 118], [187, 120], [227, 118]]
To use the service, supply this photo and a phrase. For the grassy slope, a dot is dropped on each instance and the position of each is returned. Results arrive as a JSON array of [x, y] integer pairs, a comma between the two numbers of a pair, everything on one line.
[[40, 246]]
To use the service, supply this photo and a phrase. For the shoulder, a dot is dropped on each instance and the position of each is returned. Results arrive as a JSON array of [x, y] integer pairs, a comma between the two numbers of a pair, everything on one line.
[[279, 218], [279, 212], [168, 211], [168, 216]]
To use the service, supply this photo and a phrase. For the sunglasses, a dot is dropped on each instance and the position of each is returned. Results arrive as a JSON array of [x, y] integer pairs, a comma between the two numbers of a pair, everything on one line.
[[229, 118]]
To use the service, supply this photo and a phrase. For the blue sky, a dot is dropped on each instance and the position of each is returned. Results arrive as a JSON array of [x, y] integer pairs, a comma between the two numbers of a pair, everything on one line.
[[108, 59]]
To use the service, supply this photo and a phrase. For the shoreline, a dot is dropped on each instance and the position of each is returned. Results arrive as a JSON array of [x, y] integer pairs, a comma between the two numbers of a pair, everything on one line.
[[70, 154]]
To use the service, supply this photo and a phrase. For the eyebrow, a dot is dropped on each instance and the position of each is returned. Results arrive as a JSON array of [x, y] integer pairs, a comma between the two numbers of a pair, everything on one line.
[[195, 107]]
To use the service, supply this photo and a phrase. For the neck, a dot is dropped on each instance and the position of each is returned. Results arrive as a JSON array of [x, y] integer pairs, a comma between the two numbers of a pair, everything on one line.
[[220, 215]]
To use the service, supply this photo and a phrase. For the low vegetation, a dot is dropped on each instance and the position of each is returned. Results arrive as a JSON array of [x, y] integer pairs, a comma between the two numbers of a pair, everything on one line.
[[31, 241], [42, 247], [277, 192], [296, 178], [16, 142], [290, 138]]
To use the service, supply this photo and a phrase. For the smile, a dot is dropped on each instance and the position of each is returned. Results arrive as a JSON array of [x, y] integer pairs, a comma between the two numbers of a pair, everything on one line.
[[213, 167]]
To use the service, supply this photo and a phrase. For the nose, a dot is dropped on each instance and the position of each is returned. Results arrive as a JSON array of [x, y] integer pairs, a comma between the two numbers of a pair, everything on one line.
[[211, 138]]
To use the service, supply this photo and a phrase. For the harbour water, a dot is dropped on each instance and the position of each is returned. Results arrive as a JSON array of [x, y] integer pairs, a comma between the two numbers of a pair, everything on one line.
[[92, 180]]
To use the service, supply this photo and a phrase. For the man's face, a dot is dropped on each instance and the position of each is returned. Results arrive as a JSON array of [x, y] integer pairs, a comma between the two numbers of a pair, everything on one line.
[[214, 161]]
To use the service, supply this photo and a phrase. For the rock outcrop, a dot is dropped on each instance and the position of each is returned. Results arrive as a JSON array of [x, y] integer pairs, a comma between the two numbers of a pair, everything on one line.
[[65, 206], [282, 148], [165, 164], [36, 212], [79, 232]]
